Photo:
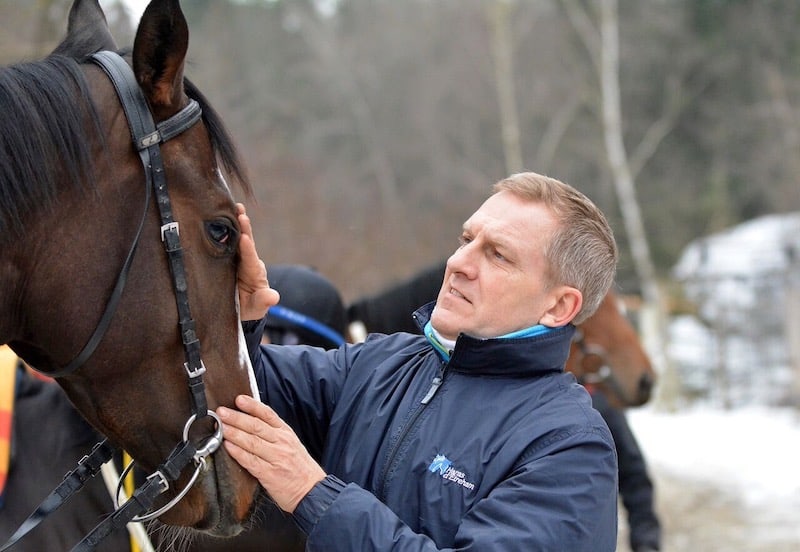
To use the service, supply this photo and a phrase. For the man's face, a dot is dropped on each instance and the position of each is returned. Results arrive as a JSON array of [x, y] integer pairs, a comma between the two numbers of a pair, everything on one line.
[[495, 283]]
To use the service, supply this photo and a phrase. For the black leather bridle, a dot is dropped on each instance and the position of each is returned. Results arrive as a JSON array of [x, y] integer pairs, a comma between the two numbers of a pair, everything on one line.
[[602, 375], [147, 138]]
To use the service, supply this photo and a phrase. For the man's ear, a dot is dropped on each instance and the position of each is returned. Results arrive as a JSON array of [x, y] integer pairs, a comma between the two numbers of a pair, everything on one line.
[[567, 302]]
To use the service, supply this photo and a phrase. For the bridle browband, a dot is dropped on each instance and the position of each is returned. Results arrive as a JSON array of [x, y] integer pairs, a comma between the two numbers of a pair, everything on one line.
[[147, 138]]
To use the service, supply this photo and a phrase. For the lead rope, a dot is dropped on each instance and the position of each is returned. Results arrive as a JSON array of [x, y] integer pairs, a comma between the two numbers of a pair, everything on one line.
[[140, 541], [130, 487]]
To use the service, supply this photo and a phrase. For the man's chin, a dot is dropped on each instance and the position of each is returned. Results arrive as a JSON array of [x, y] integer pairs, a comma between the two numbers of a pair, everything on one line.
[[444, 327]]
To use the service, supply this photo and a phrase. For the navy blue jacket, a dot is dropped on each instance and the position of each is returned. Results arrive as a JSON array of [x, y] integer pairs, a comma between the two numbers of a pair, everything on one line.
[[496, 450]]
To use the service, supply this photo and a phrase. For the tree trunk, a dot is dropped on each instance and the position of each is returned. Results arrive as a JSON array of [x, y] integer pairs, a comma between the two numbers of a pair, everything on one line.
[[498, 14], [653, 310]]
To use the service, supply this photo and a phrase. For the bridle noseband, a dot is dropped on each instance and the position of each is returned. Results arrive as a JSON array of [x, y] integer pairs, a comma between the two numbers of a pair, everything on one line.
[[147, 138], [604, 374], [587, 350]]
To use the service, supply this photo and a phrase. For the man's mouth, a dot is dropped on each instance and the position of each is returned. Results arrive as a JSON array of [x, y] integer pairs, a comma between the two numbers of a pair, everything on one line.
[[458, 294]]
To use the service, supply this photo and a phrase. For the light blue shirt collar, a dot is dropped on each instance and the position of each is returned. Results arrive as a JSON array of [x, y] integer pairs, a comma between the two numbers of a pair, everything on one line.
[[445, 346]]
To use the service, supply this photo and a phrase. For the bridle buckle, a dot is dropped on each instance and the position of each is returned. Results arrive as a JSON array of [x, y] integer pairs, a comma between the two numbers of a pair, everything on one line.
[[163, 483], [199, 371], [170, 227]]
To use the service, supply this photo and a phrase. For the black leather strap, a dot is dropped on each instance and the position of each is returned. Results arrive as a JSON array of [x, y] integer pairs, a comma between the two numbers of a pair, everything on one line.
[[142, 499], [88, 467], [147, 139]]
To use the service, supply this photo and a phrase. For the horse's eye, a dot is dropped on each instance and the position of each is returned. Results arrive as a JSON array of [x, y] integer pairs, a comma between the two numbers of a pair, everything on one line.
[[222, 233]]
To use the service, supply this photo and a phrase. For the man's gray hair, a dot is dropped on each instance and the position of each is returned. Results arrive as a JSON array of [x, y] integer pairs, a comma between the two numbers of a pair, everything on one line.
[[582, 252]]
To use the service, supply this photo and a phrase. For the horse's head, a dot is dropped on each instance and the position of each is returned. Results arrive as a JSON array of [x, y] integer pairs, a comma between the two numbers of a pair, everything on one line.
[[68, 264], [606, 352]]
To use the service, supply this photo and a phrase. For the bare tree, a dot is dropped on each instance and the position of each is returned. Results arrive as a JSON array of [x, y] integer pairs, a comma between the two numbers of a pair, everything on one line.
[[324, 42], [498, 14], [606, 63]]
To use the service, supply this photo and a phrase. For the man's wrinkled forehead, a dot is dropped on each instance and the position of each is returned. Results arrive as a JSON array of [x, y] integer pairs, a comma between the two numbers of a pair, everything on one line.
[[506, 214]]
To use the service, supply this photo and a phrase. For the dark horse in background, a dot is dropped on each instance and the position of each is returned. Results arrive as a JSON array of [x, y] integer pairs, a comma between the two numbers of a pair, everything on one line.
[[72, 209]]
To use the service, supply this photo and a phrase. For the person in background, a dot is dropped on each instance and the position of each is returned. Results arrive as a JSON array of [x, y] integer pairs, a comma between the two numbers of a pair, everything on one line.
[[470, 436], [310, 311], [44, 437], [635, 485]]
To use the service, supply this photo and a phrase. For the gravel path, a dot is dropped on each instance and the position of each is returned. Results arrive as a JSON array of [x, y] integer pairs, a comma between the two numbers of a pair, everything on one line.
[[699, 517]]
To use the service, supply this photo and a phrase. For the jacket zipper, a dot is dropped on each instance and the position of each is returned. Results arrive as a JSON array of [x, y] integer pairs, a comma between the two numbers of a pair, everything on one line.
[[436, 383]]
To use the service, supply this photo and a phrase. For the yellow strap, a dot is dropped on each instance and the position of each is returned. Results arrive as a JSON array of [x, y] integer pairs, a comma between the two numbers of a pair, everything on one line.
[[8, 372], [130, 486]]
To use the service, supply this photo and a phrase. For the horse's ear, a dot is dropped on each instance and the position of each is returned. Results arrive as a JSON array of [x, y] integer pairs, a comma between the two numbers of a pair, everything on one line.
[[159, 52], [87, 31]]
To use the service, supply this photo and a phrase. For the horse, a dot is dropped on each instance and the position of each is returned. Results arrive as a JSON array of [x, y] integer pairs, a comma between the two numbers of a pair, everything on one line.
[[606, 351], [606, 354], [89, 295]]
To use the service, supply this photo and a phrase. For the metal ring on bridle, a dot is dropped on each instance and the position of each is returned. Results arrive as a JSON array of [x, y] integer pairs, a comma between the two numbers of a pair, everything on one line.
[[208, 448], [600, 376], [213, 442], [177, 498]]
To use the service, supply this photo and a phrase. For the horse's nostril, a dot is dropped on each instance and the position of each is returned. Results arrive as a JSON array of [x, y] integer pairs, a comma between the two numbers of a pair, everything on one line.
[[645, 387]]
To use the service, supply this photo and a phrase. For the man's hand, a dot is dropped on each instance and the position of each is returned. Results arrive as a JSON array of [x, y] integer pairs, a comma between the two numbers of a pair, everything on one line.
[[255, 295], [266, 447]]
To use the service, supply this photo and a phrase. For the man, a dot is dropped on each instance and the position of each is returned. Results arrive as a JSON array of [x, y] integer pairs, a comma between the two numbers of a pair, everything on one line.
[[388, 311], [470, 437]]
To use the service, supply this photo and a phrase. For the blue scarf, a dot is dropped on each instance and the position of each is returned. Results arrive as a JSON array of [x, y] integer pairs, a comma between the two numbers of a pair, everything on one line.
[[445, 346]]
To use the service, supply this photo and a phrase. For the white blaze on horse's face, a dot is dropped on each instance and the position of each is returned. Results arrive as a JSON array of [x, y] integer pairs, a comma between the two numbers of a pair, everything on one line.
[[244, 356], [223, 180]]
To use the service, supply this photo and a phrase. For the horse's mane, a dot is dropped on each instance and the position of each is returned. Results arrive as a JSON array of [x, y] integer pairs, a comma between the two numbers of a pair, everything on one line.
[[43, 108], [220, 138]]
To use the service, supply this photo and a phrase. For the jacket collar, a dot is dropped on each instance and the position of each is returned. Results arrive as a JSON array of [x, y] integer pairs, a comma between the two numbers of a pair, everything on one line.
[[524, 356]]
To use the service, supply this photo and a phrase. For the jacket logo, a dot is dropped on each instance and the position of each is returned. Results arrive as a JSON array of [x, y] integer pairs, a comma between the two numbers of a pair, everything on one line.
[[444, 467], [440, 463]]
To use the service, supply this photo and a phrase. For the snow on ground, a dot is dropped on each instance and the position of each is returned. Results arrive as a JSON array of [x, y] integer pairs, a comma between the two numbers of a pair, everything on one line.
[[746, 462]]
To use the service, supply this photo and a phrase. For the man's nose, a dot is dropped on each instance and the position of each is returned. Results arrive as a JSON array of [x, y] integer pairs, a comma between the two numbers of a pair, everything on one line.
[[463, 260]]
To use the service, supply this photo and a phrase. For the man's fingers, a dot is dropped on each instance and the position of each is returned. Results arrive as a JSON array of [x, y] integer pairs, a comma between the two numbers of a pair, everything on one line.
[[254, 424], [263, 444], [260, 410], [248, 460], [253, 272], [255, 295], [244, 220]]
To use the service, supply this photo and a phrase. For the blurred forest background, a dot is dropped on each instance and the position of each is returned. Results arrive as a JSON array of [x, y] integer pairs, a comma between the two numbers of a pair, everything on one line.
[[372, 128], [372, 131]]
